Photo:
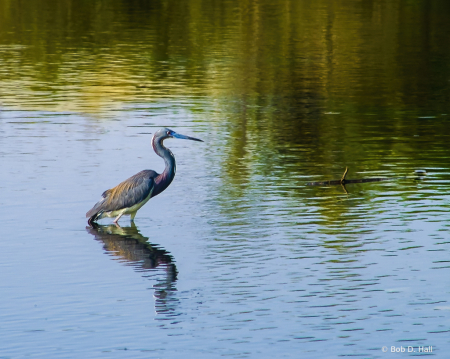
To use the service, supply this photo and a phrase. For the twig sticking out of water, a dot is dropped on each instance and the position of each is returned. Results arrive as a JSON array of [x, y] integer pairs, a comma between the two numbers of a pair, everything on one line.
[[343, 176]]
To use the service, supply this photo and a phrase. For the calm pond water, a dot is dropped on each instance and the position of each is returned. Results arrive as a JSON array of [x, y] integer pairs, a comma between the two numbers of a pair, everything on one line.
[[238, 258]]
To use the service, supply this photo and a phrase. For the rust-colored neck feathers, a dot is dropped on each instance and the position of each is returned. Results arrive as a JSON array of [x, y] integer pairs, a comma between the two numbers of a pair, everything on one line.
[[163, 180]]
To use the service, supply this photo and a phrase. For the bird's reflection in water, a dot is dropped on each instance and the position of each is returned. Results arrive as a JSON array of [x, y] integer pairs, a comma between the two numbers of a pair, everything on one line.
[[132, 248]]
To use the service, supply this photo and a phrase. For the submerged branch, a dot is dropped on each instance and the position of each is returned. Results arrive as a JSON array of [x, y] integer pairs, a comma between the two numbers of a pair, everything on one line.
[[418, 175]]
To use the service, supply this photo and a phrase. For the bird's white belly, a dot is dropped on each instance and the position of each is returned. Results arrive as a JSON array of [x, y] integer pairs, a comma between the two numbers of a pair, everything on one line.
[[128, 210]]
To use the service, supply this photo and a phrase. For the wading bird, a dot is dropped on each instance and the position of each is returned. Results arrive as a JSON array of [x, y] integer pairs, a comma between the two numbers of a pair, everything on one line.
[[130, 195]]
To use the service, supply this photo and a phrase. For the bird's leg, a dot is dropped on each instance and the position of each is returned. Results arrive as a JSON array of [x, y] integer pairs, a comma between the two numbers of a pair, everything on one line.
[[132, 216], [117, 218]]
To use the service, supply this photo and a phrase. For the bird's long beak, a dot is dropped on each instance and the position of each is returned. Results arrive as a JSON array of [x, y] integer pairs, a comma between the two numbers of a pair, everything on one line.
[[183, 137]]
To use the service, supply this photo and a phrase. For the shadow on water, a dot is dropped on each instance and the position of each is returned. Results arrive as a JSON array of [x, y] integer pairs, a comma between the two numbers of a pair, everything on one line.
[[133, 249]]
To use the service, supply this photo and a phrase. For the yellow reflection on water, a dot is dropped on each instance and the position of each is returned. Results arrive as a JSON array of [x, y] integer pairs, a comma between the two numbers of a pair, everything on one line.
[[75, 56]]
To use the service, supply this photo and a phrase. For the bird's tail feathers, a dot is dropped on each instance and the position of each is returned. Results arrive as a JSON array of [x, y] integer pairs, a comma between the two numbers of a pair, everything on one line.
[[94, 217], [95, 212]]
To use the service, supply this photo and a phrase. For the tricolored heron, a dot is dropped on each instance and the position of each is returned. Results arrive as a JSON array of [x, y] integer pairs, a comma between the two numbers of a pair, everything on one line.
[[130, 195]]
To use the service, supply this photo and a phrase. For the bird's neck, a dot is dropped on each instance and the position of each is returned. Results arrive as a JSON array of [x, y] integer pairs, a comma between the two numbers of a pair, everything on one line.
[[163, 180]]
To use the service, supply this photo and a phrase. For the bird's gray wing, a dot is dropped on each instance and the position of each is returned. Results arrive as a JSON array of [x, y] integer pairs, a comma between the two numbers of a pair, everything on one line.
[[126, 194]]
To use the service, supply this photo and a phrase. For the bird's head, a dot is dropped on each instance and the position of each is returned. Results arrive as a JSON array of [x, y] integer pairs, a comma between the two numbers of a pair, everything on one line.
[[165, 133]]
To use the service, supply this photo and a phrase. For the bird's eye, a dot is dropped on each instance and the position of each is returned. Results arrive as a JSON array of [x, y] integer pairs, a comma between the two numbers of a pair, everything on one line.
[[168, 132]]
